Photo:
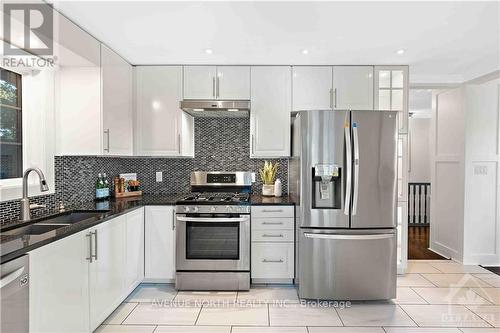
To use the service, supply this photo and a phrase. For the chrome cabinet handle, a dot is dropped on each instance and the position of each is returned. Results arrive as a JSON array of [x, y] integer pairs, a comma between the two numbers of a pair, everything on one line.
[[89, 258], [106, 131], [253, 145], [356, 169], [173, 219], [5, 280], [218, 87], [335, 98], [347, 201], [273, 236], [272, 210], [95, 244], [213, 87], [179, 143], [331, 98], [272, 223], [269, 260]]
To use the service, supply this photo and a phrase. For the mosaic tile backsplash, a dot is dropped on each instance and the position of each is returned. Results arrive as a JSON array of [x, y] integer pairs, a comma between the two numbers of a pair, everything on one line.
[[221, 144]]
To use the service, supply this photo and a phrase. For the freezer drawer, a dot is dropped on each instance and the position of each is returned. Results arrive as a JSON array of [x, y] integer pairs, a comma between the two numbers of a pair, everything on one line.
[[347, 265]]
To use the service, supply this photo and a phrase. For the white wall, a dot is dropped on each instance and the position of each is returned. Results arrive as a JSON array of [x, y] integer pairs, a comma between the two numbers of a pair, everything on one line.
[[481, 210], [447, 173], [419, 162]]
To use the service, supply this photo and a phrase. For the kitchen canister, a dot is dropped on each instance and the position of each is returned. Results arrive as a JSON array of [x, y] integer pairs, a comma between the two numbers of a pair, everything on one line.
[[277, 188]]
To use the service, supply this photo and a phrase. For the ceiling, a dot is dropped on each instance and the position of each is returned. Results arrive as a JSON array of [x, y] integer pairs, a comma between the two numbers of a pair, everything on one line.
[[443, 41]]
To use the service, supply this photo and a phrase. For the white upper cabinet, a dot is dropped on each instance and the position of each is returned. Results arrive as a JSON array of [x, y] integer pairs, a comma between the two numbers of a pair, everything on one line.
[[233, 82], [312, 88], [270, 114], [217, 82], [162, 128], [353, 87], [200, 82], [116, 75]]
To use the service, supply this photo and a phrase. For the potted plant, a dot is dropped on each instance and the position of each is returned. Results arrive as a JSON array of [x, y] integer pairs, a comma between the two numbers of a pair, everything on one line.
[[268, 176]]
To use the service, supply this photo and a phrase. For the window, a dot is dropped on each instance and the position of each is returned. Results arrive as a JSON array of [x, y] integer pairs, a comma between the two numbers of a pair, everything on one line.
[[11, 136]]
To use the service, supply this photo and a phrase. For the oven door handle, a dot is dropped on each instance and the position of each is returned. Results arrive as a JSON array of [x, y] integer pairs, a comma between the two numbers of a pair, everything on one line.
[[212, 219]]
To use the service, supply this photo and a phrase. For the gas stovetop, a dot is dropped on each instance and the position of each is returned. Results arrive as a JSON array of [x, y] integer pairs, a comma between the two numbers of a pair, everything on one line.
[[219, 198]]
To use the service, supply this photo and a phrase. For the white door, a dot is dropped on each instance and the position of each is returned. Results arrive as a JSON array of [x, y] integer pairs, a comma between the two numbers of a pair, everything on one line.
[[158, 93], [233, 82], [59, 295], [200, 82], [116, 85], [271, 89], [135, 249], [107, 271], [312, 88], [353, 87], [159, 253]]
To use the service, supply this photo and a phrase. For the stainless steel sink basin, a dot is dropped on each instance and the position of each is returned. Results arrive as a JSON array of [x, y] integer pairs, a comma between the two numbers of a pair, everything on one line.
[[33, 229], [74, 217]]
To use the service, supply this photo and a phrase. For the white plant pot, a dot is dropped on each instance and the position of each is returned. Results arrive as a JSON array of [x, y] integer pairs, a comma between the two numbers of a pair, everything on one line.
[[268, 190]]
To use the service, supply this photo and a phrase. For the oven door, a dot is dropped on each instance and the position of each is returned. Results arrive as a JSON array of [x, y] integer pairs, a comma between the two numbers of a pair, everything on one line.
[[213, 243]]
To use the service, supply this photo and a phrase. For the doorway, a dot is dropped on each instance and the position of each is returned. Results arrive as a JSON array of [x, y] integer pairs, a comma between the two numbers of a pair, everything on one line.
[[419, 175]]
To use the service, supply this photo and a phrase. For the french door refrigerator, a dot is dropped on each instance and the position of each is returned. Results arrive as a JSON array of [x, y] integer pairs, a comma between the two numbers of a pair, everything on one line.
[[344, 166]]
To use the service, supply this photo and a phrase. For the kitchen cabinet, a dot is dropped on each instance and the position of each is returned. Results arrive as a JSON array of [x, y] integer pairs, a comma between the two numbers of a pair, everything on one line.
[[217, 82], [107, 271], [159, 253], [116, 85], [233, 82], [135, 249], [271, 89], [273, 244], [353, 87], [59, 286], [312, 88], [391, 92], [162, 128]]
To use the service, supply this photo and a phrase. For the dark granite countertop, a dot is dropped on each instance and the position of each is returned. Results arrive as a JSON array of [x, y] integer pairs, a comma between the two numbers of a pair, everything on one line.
[[14, 246], [260, 200]]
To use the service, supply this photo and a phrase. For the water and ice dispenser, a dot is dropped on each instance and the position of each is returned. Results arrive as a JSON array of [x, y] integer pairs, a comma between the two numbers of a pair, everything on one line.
[[327, 186]]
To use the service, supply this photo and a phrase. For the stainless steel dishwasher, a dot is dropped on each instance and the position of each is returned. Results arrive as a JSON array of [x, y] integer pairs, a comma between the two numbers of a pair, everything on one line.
[[14, 296]]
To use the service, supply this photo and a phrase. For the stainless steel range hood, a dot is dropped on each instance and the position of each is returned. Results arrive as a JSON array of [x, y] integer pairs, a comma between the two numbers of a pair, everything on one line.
[[216, 109]]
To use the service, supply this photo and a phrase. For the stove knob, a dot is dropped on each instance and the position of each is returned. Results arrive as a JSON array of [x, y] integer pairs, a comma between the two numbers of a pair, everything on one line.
[[186, 209], [195, 209], [213, 209]]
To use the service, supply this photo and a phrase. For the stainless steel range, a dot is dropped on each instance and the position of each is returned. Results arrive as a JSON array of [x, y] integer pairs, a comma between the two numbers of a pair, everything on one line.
[[213, 232]]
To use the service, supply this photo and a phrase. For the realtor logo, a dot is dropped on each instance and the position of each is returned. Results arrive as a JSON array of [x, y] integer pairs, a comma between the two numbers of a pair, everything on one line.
[[31, 26]]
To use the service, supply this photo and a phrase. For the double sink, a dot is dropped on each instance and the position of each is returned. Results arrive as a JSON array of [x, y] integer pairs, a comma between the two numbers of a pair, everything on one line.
[[55, 222]]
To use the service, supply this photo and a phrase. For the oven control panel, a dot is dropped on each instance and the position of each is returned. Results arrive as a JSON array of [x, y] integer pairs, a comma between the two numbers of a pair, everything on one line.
[[215, 209], [221, 178]]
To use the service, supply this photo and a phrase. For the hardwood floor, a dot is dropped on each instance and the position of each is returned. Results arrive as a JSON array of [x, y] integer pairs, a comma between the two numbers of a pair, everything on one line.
[[418, 244]]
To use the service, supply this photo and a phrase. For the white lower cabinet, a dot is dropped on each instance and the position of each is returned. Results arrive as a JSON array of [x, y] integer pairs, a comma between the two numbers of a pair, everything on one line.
[[273, 244], [71, 293], [59, 286], [159, 253]]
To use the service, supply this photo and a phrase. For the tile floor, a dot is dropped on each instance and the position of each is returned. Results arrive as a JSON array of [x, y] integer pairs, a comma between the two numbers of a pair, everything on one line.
[[435, 296]]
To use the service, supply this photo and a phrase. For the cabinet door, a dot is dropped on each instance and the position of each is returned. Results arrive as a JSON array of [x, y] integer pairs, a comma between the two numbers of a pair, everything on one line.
[[159, 90], [59, 295], [135, 249], [271, 89], [272, 261], [312, 88], [78, 90], [116, 76], [160, 244], [353, 87], [233, 82], [107, 271], [200, 82]]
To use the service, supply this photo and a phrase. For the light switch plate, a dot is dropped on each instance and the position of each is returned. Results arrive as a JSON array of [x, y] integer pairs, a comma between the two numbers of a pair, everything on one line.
[[159, 176]]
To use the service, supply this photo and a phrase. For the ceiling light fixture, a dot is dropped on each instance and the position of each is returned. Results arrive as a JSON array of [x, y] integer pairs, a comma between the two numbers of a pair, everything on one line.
[[305, 51], [401, 51], [208, 51], [198, 110]]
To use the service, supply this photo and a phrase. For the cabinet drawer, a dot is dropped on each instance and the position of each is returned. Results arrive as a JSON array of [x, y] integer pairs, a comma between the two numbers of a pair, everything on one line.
[[272, 211], [272, 235], [260, 223], [272, 261]]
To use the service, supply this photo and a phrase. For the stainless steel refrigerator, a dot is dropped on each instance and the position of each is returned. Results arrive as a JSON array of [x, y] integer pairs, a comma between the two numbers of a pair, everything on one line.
[[343, 176]]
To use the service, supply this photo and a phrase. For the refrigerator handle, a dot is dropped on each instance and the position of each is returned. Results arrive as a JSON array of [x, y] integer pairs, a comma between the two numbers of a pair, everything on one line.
[[348, 175], [356, 168], [348, 237]]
